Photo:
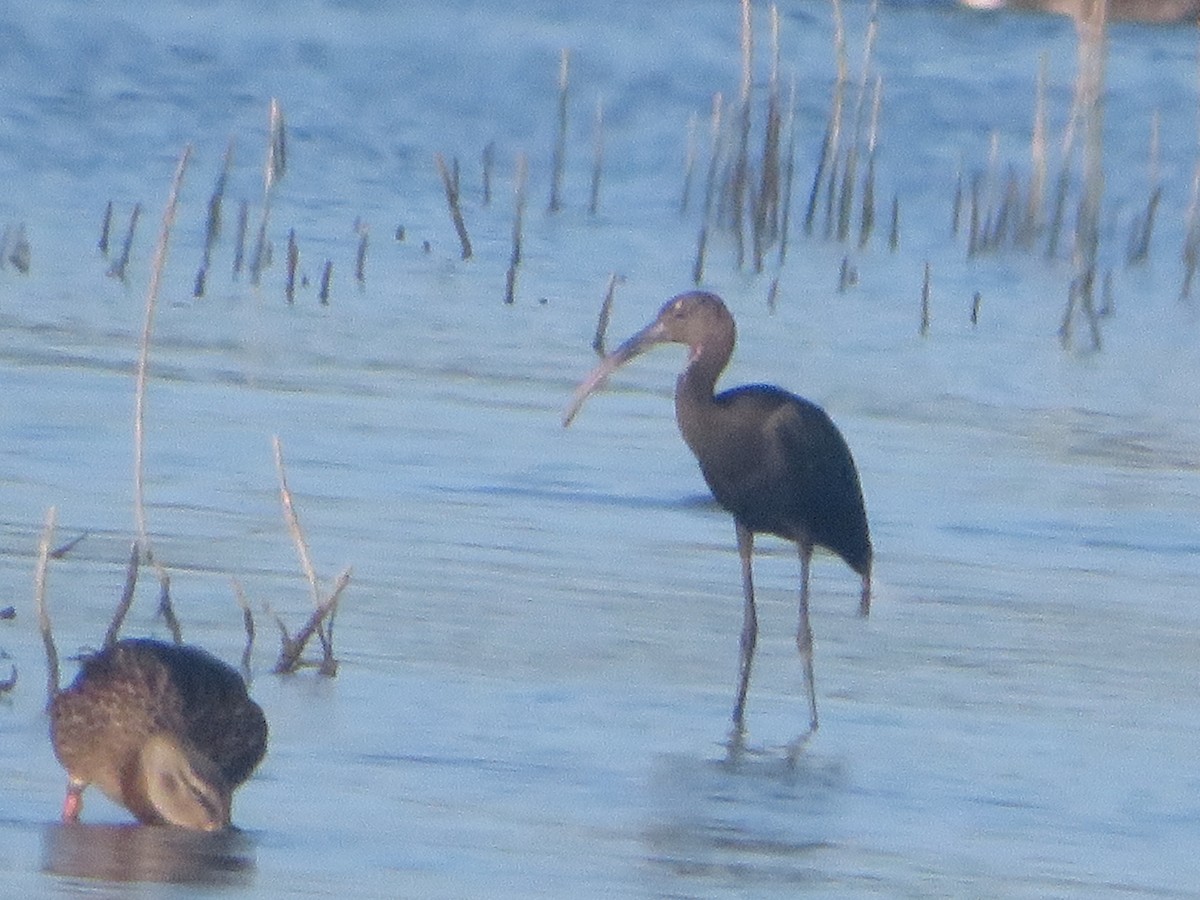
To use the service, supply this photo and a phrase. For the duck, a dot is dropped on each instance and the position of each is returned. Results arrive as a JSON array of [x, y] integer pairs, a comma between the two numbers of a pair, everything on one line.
[[167, 731]]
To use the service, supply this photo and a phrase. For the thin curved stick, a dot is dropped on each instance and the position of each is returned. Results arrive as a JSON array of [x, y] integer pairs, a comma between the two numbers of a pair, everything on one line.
[[39, 599]]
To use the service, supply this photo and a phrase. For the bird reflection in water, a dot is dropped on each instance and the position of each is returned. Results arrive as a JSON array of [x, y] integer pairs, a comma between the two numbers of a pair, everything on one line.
[[155, 854]]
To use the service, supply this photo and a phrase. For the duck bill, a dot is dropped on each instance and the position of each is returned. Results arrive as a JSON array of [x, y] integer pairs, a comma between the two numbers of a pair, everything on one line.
[[645, 339]]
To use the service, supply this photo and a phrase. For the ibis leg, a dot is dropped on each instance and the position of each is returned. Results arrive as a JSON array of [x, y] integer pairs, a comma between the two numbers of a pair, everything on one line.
[[864, 604], [804, 637], [745, 540]]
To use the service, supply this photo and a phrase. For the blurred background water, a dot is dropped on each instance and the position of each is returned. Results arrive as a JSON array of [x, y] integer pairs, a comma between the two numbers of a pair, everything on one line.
[[539, 644]]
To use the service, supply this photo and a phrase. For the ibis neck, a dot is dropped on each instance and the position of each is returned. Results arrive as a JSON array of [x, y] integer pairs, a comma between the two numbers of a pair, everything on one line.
[[695, 386]]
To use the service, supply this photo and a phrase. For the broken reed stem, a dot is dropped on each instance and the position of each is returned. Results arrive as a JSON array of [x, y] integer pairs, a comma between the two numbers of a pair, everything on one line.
[[259, 259], [767, 201], [118, 268], [831, 154], [846, 275], [814, 193], [925, 291], [867, 222], [293, 521], [1037, 162], [360, 255], [19, 253], [297, 533], [605, 312], [131, 576], [239, 251], [1191, 240], [143, 363], [449, 183], [956, 216], [489, 161], [63, 550], [689, 164], [514, 261], [39, 600], [293, 260], [701, 247], [289, 654], [1058, 209], [212, 229], [850, 171], [326, 276], [1138, 250], [1008, 209], [741, 163], [1143, 229], [165, 609], [785, 215], [274, 169], [560, 141], [105, 228], [247, 621], [973, 230], [1089, 89], [714, 153], [597, 158], [894, 234], [276, 148]]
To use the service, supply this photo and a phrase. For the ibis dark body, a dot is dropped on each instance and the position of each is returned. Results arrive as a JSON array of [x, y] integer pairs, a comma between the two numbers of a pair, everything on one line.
[[774, 460], [780, 466]]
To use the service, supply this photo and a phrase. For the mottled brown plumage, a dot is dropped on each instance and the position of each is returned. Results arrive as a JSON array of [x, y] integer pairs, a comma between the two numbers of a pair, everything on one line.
[[166, 731]]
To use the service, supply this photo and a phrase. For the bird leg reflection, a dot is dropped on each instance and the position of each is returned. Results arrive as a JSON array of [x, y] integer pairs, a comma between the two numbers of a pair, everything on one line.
[[745, 541]]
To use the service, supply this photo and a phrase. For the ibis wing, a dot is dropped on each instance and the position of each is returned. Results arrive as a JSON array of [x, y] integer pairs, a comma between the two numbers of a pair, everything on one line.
[[823, 492]]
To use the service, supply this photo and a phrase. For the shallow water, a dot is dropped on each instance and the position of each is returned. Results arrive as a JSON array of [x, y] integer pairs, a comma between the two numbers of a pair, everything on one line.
[[539, 643]]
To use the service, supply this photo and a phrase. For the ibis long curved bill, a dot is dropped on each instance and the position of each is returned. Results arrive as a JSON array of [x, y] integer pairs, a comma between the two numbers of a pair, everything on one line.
[[652, 334]]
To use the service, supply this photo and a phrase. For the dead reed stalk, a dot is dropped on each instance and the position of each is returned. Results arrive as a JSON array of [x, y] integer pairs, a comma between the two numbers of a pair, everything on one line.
[[514, 261], [119, 269], [450, 184], [142, 374], [326, 277], [105, 228], [274, 170], [605, 313], [488, 161], [597, 158], [247, 622], [360, 255], [293, 260], [689, 164], [239, 250], [39, 600], [559, 160], [321, 621], [131, 576], [212, 229], [925, 299]]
